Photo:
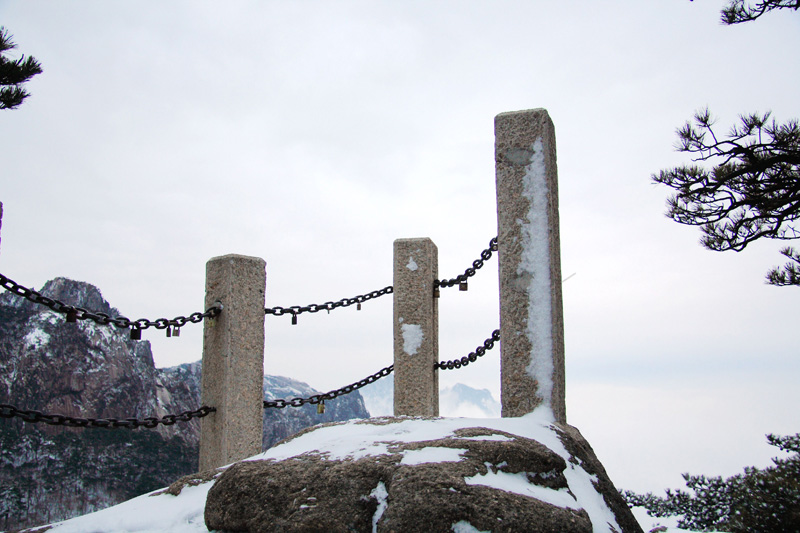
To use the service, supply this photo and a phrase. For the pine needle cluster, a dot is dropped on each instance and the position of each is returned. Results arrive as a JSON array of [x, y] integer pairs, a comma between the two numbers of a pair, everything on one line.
[[14, 73]]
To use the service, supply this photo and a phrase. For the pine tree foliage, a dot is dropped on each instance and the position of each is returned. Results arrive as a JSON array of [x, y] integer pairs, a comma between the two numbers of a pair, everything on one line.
[[750, 191], [758, 501], [737, 11], [789, 274], [14, 73]]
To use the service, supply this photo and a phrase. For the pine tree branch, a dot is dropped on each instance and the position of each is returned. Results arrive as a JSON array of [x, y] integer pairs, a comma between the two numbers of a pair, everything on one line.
[[750, 189], [12, 97], [737, 11], [19, 71], [13, 73], [788, 274]]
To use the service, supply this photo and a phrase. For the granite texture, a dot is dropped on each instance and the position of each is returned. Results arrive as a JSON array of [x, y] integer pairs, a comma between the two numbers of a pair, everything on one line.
[[388, 493], [516, 135], [416, 328], [233, 360]]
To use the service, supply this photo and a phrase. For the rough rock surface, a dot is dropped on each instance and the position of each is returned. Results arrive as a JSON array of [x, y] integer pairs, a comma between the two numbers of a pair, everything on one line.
[[468, 478]]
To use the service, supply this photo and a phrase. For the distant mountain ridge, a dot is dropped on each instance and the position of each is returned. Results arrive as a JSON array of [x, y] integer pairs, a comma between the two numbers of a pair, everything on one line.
[[457, 401], [89, 370]]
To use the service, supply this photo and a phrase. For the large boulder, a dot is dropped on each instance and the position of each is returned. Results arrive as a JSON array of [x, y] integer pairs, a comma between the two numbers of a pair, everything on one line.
[[422, 474]]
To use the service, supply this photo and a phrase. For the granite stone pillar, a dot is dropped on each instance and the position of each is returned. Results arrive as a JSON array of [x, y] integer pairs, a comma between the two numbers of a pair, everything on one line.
[[529, 250], [416, 328], [233, 361]]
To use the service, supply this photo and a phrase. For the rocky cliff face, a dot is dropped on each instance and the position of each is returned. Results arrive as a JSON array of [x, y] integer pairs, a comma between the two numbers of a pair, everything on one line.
[[87, 370]]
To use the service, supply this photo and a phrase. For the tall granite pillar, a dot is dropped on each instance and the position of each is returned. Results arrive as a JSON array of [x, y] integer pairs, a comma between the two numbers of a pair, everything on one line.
[[233, 361], [529, 250], [416, 328]]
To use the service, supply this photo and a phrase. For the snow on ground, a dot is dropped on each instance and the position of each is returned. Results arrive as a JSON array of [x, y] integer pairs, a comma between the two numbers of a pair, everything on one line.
[[146, 514], [650, 523], [156, 513]]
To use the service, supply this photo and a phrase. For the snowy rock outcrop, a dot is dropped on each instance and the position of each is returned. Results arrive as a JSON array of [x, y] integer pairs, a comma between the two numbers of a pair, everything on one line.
[[88, 370], [417, 474]]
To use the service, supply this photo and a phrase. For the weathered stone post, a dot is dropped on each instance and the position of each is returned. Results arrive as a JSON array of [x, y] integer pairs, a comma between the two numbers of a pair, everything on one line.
[[416, 328], [529, 249], [233, 361]]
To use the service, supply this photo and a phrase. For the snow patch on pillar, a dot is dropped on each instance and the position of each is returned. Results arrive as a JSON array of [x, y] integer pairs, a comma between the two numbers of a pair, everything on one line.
[[534, 267], [412, 338]]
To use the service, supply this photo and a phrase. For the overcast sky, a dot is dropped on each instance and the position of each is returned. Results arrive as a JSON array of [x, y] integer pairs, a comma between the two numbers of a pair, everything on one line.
[[314, 133]]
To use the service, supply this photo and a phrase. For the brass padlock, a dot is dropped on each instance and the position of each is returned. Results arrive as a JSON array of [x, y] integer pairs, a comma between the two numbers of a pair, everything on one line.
[[321, 407]]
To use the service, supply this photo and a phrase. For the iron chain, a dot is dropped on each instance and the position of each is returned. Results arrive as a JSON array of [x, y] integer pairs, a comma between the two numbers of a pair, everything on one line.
[[327, 306], [77, 313], [33, 417], [488, 344], [460, 280], [317, 398], [469, 272]]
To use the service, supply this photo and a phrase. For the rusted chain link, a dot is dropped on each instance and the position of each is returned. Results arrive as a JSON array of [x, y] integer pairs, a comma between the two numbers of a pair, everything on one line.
[[73, 314], [461, 279], [327, 306], [488, 344], [33, 417], [319, 398]]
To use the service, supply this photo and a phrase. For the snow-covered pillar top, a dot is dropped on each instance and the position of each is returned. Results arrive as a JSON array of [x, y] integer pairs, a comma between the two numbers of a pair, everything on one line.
[[416, 328], [233, 361], [529, 250]]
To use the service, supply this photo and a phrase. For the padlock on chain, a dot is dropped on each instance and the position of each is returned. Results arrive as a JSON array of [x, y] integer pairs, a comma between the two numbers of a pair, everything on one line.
[[321, 407]]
